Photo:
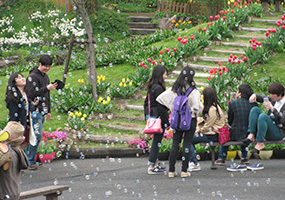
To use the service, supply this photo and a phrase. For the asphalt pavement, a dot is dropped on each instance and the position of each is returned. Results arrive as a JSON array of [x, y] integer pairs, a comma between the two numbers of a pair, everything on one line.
[[127, 178]]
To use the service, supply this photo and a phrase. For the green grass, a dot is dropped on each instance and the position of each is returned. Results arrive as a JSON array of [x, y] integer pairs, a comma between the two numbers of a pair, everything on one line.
[[253, 34], [255, 24]]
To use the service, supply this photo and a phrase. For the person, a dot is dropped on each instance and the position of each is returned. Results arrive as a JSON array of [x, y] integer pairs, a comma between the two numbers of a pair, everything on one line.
[[155, 87], [270, 126], [39, 87], [184, 81], [18, 102], [208, 127], [238, 115], [10, 172]]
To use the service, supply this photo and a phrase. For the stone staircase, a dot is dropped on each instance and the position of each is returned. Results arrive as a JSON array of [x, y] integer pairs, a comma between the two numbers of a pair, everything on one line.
[[141, 25], [221, 51]]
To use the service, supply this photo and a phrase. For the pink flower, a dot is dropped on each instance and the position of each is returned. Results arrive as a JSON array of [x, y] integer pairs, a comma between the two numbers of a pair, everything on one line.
[[167, 50], [145, 66], [174, 49], [141, 64], [148, 60], [179, 38], [153, 62], [211, 17]]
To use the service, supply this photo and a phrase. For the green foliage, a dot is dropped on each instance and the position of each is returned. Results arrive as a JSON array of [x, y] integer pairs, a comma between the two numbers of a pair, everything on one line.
[[219, 28], [123, 89], [102, 85], [110, 24], [77, 120], [104, 105], [45, 148]]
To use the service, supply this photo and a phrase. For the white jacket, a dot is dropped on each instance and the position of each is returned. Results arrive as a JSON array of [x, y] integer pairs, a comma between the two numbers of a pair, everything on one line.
[[194, 101]]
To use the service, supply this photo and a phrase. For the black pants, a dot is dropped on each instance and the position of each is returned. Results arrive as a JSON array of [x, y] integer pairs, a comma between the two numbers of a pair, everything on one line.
[[188, 138]]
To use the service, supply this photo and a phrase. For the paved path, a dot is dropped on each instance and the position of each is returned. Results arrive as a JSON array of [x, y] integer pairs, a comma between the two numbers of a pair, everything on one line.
[[126, 178]]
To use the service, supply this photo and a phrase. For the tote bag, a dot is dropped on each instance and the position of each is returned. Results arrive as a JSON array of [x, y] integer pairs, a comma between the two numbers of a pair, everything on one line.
[[224, 135]]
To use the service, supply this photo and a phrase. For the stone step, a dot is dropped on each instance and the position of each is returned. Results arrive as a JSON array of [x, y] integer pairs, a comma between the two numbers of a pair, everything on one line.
[[200, 67], [139, 18], [210, 59], [201, 75], [142, 31], [225, 51], [119, 127], [250, 37], [265, 20], [254, 29], [197, 83], [234, 44], [141, 25], [135, 107]]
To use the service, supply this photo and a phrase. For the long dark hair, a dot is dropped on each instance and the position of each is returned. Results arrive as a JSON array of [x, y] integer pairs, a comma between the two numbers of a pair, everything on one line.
[[210, 99], [12, 91], [156, 77], [184, 80]]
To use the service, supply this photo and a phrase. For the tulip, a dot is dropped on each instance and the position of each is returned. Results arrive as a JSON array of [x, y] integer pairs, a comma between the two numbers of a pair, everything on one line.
[[241, 55], [267, 33], [179, 38], [253, 48], [167, 50], [161, 52], [253, 39], [233, 62], [220, 63], [238, 2], [148, 60], [209, 78], [221, 73], [174, 49], [220, 69], [250, 41], [185, 37], [217, 17], [145, 66], [230, 60], [159, 60], [273, 30], [232, 11], [211, 71], [238, 62], [278, 24], [204, 29], [224, 17], [199, 28], [153, 62], [211, 17], [283, 27], [283, 18], [244, 59], [141, 64], [224, 68]]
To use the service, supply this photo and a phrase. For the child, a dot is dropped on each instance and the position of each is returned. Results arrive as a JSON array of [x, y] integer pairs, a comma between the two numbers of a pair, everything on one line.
[[10, 171]]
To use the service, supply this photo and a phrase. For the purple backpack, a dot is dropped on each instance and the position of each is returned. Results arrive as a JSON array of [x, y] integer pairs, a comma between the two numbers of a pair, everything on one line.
[[181, 116]]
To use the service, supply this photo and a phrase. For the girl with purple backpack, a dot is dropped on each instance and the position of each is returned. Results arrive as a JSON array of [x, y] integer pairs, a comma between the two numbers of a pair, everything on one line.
[[155, 87], [181, 85]]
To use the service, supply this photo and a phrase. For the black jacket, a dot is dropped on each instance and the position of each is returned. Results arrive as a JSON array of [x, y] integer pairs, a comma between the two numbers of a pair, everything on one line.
[[37, 87], [18, 111], [156, 109]]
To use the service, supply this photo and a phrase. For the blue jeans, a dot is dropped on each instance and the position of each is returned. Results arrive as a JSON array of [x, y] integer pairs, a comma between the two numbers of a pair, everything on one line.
[[262, 126], [223, 152], [200, 138], [38, 121]]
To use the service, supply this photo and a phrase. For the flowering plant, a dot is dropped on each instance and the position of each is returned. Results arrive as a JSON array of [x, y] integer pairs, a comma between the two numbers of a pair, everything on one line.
[[138, 143], [104, 105], [166, 143], [219, 28], [46, 148], [59, 136], [185, 24], [124, 89], [76, 120], [102, 85]]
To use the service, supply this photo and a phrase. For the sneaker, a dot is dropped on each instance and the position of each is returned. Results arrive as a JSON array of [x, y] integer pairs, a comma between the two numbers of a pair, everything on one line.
[[220, 162], [39, 165], [194, 167], [172, 174], [161, 166], [237, 168], [244, 161], [32, 166], [155, 170], [185, 174], [255, 167]]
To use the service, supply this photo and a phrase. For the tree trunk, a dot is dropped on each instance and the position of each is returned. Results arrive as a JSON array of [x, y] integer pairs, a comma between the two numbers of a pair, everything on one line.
[[79, 6]]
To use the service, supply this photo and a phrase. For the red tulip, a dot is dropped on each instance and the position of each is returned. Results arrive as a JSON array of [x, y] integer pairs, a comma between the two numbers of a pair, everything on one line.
[[239, 6], [244, 59], [224, 68], [159, 60], [220, 73], [241, 55], [246, 65], [278, 24], [233, 62], [267, 33], [153, 62], [238, 61], [273, 30], [220, 63], [245, 3], [231, 55], [224, 17], [283, 18], [253, 48], [179, 38], [145, 66], [161, 52], [283, 27], [232, 11], [209, 78], [226, 12], [249, 1], [220, 69], [253, 39], [238, 2], [199, 28], [269, 30], [230, 60], [250, 41], [211, 71], [211, 17], [167, 50], [204, 29], [185, 37], [235, 57], [141, 64], [148, 60], [174, 49], [217, 17]]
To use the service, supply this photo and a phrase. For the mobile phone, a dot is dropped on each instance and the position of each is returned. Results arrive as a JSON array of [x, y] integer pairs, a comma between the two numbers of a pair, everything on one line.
[[265, 99]]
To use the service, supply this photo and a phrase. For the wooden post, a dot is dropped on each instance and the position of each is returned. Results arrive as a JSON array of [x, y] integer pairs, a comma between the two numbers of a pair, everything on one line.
[[68, 58]]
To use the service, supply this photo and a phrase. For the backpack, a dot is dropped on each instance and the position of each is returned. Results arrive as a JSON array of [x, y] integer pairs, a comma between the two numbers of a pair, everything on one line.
[[181, 116]]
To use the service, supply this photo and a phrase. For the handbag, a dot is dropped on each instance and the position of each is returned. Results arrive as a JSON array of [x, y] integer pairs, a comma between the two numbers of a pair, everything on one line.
[[153, 125], [224, 135]]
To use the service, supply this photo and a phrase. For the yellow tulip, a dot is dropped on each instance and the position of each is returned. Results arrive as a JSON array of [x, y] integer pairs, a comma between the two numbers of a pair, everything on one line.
[[76, 113], [176, 25], [121, 84], [98, 81], [104, 102], [128, 80], [125, 85], [98, 77], [79, 114], [123, 80], [202, 89], [71, 114], [190, 1], [84, 115], [103, 78], [130, 83], [232, 1], [229, 2], [108, 98], [82, 119], [100, 99]]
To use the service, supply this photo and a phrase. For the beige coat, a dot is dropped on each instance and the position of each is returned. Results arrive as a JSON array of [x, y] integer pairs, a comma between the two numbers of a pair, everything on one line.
[[212, 123], [194, 101]]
